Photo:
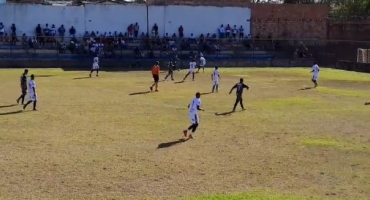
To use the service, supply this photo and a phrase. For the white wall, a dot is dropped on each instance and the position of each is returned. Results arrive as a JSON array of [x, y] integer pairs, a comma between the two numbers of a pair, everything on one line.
[[105, 18]]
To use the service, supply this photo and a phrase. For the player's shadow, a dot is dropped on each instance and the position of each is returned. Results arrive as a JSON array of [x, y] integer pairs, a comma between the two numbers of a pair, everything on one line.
[[11, 112], [170, 144], [138, 93], [367, 103], [7, 106], [307, 88], [205, 93], [228, 113], [78, 78], [179, 82], [43, 76]]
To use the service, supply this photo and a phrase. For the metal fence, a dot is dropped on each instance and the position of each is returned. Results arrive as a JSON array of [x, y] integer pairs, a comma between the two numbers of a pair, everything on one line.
[[326, 52]]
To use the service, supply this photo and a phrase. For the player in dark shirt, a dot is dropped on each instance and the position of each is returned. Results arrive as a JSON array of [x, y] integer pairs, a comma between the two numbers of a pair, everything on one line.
[[239, 92], [23, 86], [171, 67]]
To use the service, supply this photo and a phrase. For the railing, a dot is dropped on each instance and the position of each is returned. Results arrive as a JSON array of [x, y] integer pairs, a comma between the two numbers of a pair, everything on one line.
[[326, 52]]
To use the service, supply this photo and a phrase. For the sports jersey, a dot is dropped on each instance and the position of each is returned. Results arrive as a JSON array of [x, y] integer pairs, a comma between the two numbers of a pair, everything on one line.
[[96, 60], [24, 81], [192, 66], [194, 104], [239, 88], [202, 61], [31, 85], [215, 75], [315, 69]]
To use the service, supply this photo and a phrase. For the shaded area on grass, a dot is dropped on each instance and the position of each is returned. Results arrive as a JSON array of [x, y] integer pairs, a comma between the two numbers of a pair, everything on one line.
[[138, 93], [44, 76], [170, 144], [228, 113], [335, 145], [84, 77], [254, 196], [7, 106], [307, 88], [11, 112]]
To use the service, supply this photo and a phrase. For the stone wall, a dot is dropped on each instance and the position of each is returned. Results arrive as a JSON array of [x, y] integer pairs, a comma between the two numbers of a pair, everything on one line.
[[290, 20]]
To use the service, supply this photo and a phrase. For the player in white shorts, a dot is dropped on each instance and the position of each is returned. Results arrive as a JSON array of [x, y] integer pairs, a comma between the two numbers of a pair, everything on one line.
[[202, 63], [32, 93], [315, 73], [194, 107], [215, 77], [192, 66], [95, 66]]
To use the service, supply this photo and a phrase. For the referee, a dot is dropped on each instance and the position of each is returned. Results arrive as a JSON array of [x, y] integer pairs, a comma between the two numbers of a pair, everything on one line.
[[23, 86], [239, 92]]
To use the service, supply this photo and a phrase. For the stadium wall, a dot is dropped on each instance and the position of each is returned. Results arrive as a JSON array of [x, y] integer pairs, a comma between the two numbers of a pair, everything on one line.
[[105, 18], [353, 66]]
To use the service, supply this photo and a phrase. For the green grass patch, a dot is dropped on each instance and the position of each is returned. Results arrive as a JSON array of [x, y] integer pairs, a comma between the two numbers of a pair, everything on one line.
[[251, 196], [344, 93], [334, 144], [286, 102]]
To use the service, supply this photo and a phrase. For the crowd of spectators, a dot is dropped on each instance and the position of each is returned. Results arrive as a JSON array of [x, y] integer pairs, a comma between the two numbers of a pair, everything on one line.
[[104, 43]]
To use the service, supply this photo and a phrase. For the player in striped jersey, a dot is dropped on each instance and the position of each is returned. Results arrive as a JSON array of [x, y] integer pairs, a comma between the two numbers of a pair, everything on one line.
[[202, 63], [192, 66], [23, 86], [215, 77], [194, 107], [95, 66], [315, 73]]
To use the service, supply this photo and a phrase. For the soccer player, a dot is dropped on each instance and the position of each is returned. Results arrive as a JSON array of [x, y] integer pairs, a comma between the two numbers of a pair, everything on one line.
[[239, 92], [95, 66], [155, 73], [202, 63], [23, 86], [194, 107], [192, 66], [215, 76], [32, 93], [315, 71], [171, 68]]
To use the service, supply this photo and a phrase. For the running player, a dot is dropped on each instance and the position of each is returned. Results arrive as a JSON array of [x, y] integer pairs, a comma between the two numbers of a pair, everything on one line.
[[194, 106], [239, 92], [32, 93], [23, 86], [202, 63], [171, 68], [192, 66], [95, 66], [155, 73], [315, 73], [215, 77]]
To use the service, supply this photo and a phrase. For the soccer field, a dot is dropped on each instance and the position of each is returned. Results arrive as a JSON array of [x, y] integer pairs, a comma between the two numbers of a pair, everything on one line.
[[91, 139]]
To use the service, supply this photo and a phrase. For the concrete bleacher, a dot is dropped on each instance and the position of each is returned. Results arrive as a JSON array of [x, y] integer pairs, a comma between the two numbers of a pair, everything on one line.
[[8, 51]]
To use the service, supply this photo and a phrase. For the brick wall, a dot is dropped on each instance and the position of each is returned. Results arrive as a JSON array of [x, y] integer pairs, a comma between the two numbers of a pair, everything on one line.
[[290, 20], [349, 30], [236, 3]]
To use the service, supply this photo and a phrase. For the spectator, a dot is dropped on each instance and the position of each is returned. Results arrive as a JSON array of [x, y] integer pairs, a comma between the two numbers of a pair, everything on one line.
[[2, 31], [14, 38], [46, 31], [72, 32], [241, 32], [192, 39], [136, 30], [53, 31], [61, 31], [14, 30], [130, 30], [181, 32], [24, 41], [38, 30], [228, 31], [155, 30], [201, 39], [6, 38], [235, 31], [221, 31]]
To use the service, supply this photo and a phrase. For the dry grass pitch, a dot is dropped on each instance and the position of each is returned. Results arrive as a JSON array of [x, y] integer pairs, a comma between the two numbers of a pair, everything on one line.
[[90, 139]]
